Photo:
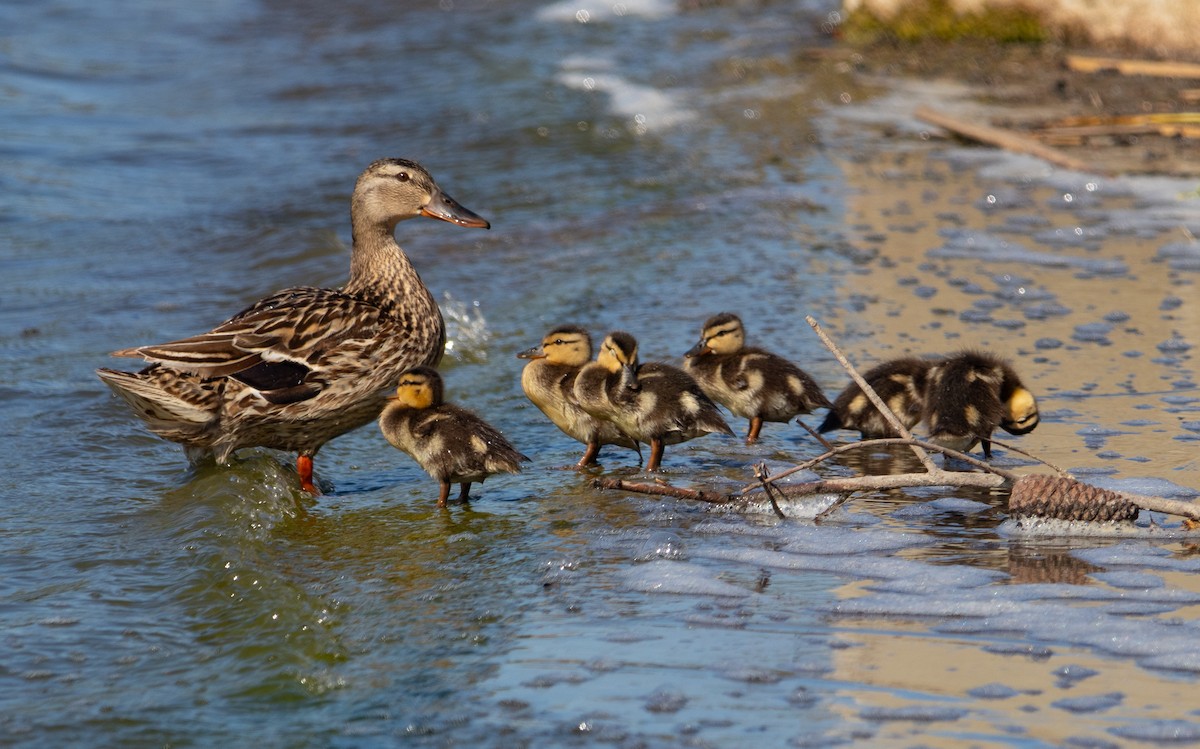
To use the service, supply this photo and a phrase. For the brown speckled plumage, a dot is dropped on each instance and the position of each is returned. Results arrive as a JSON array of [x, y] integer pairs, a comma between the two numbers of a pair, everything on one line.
[[304, 365], [900, 383], [653, 403], [549, 382], [451, 444], [969, 394], [752, 383]]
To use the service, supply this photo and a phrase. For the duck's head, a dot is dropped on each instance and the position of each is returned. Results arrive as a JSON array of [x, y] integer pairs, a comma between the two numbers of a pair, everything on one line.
[[722, 334], [1020, 412], [419, 387], [566, 344], [392, 190]]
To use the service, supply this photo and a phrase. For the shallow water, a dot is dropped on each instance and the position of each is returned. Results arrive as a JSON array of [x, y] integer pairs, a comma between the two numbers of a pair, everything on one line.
[[642, 170]]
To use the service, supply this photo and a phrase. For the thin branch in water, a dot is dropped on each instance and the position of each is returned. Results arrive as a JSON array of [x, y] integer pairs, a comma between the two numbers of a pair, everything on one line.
[[760, 472], [816, 435], [867, 444], [870, 392]]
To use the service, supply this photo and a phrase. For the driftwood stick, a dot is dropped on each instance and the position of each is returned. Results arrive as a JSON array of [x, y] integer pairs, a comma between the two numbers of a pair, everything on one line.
[[1166, 506], [893, 481], [663, 490], [870, 393], [1163, 68], [1006, 139], [883, 442]]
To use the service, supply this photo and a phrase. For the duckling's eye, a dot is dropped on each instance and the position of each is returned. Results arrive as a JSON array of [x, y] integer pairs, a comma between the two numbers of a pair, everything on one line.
[[402, 176]]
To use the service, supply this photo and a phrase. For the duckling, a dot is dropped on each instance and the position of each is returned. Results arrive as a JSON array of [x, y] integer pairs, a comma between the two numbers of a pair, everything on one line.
[[969, 394], [450, 443], [750, 382], [653, 402], [900, 383], [549, 382]]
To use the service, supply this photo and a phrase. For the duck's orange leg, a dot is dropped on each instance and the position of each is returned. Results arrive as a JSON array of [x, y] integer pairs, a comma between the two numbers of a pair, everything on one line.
[[304, 466]]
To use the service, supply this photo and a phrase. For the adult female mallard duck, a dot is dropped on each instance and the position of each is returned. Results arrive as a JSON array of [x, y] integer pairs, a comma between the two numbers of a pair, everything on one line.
[[900, 383], [304, 365], [450, 443], [549, 382], [751, 382], [969, 394], [653, 402]]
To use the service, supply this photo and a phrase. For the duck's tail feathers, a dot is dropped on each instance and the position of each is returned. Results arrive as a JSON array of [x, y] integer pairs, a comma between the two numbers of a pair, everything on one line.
[[158, 408]]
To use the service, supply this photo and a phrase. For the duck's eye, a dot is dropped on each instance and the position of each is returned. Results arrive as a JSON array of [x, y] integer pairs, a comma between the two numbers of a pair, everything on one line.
[[402, 176]]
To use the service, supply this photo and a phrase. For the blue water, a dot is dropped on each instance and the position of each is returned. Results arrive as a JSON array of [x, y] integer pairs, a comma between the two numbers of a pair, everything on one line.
[[163, 167]]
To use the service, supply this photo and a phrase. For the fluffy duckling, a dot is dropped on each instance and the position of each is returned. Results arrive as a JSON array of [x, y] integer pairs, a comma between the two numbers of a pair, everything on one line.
[[752, 383], [654, 403], [900, 383], [549, 382], [969, 394], [450, 443]]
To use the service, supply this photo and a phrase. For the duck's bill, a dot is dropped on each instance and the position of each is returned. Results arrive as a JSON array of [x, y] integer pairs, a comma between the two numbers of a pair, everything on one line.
[[446, 208], [532, 353], [697, 350]]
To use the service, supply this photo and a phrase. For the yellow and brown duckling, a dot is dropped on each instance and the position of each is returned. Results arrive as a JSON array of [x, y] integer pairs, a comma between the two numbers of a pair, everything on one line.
[[900, 383], [752, 383], [549, 382], [653, 403], [969, 394], [450, 443], [302, 366]]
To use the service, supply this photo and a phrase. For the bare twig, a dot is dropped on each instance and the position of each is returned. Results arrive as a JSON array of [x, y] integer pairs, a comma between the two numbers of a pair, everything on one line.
[[870, 392], [663, 490], [760, 472], [1163, 68], [816, 435], [1006, 139], [884, 442]]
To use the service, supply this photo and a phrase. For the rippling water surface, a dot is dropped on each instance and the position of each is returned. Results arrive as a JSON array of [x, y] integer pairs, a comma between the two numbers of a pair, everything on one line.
[[644, 165]]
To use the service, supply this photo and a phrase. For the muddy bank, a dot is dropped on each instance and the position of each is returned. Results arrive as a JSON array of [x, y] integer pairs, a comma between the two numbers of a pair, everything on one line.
[[1118, 123]]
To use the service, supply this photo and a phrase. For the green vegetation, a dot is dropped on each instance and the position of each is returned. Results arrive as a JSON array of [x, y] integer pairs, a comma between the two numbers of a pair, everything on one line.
[[922, 20]]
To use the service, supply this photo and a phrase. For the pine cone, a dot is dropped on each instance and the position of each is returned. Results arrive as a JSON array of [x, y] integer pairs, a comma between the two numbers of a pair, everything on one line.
[[1066, 499]]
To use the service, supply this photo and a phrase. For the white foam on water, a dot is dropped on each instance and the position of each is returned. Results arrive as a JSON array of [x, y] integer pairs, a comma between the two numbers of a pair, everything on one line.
[[646, 108], [662, 576], [599, 11]]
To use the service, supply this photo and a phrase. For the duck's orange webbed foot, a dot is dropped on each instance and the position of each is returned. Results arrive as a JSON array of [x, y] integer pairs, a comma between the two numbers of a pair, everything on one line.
[[304, 466]]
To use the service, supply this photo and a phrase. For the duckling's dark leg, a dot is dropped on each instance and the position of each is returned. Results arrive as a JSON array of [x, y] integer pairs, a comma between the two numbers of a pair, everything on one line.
[[464, 491], [589, 455], [656, 453], [987, 448], [756, 423], [304, 466], [444, 494]]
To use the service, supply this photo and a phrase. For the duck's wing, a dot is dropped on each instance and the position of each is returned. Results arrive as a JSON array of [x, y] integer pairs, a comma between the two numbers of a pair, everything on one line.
[[276, 345]]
